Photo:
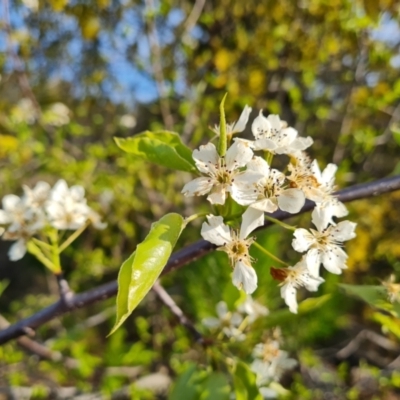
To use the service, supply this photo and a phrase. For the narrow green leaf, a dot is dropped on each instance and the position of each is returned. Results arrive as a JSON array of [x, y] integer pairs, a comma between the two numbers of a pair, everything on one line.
[[372, 295], [222, 142], [140, 271], [163, 148], [244, 382]]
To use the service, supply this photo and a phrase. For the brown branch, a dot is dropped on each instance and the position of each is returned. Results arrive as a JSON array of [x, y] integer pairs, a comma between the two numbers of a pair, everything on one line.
[[178, 260]]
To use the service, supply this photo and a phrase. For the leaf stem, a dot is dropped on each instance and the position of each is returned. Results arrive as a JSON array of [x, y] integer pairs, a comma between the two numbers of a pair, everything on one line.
[[195, 216], [37, 252], [280, 223], [265, 251], [71, 238]]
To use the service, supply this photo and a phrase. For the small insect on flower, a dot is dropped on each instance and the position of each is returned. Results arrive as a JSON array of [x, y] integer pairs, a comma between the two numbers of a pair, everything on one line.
[[292, 278]]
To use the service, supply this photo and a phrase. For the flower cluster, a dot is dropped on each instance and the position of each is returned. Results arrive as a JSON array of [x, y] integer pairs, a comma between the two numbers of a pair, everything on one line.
[[269, 364], [238, 175], [58, 207], [233, 324]]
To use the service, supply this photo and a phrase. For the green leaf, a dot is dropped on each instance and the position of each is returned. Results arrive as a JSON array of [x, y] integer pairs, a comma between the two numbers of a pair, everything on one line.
[[215, 387], [281, 317], [185, 386], [222, 142], [389, 323], [372, 295], [140, 271], [244, 382], [163, 148]]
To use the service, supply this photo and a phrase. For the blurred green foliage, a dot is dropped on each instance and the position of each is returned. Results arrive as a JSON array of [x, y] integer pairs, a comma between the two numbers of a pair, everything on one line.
[[330, 68]]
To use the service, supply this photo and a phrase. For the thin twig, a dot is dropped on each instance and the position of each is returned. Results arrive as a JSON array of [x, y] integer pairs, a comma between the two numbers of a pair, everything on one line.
[[170, 303], [66, 294], [179, 260], [366, 334], [39, 349], [156, 61], [194, 15]]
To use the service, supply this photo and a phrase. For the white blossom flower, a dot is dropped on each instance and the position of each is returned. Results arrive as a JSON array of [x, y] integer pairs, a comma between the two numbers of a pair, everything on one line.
[[294, 277], [37, 196], [328, 206], [222, 172], [269, 193], [22, 221], [324, 244], [252, 308], [275, 136], [302, 177], [392, 289], [238, 126], [236, 246], [272, 371], [66, 207], [227, 321], [57, 114]]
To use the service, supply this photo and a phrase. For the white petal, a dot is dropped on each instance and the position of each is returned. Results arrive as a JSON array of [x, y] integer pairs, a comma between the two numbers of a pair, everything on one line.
[[77, 193], [266, 205], [344, 231], [268, 393], [321, 216], [206, 154], [313, 260], [316, 171], [243, 189], [287, 136], [215, 231], [238, 155], [328, 175], [242, 121], [17, 250], [236, 319], [59, 191], [261, 126], [10, 202], [303, 240], [222, 309], [211, 322], [275, 121], [265, 144], [244, 277], [198, 187], [335, 260], [5, 217], [259, 165], [217, 195], [291, 200], [251, 219], [300, 143], [313, 282], [288, 293], [338, 209]]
